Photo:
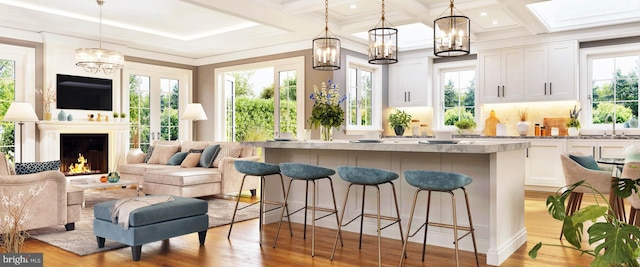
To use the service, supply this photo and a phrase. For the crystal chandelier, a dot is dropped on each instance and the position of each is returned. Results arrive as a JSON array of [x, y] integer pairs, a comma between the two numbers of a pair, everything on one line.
[[95, 60], [451, 35], [383, 43], [326, 49]]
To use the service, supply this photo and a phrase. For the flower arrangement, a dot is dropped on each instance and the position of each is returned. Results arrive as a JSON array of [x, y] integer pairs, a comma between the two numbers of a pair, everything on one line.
[[326, 110], [12, 235], [48, 98], [573, 118]]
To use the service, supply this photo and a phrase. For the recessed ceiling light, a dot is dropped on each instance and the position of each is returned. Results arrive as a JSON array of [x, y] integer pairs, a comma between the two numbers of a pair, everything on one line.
[[484, 14], [353, 6], [495, 22]]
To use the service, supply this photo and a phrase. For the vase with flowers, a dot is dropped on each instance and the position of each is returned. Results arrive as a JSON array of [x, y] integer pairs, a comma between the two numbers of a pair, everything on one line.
[[15, 213], [326, 112], [573, 125], [48, 99]]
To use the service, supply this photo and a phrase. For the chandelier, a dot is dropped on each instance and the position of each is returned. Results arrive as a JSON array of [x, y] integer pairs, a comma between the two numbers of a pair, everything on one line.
[[95, 60], [383, 43], [451, 35], [326, 49]]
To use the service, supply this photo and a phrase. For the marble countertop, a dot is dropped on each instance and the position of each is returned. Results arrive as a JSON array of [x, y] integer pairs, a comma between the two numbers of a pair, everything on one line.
[[464, 146]]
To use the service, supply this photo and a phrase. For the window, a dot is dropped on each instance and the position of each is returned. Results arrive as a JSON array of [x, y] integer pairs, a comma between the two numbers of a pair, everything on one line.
[[17, 83], [7, 96], [614, 88], [363, 92], [458, 94], [154, 100], [257, 101]]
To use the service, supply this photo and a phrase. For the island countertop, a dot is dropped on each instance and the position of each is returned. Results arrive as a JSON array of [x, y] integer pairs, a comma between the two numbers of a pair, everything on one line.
[[463, 146]]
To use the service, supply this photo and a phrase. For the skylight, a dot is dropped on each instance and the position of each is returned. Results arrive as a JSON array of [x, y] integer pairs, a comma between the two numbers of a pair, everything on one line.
[[410, 36], [563, 15]]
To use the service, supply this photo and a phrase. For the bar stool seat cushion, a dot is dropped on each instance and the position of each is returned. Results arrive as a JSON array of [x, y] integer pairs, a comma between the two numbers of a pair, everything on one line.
[[435, 180], [256, 168], [365, 176], [305, 171]]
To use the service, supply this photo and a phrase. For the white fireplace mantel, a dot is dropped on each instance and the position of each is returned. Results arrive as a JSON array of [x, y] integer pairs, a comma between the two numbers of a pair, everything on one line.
[[118, 136]]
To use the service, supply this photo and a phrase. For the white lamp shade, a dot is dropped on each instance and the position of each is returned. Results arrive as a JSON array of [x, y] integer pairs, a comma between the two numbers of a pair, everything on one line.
[[20, 112], [195, 112]]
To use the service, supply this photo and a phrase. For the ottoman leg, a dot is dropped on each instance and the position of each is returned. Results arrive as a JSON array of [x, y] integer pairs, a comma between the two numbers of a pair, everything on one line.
[[201, 236], [100, 241], [70, 226], [135, 252]]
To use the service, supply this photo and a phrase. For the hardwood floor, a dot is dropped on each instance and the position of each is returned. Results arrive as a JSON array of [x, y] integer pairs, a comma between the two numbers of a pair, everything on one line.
[[243, 248]]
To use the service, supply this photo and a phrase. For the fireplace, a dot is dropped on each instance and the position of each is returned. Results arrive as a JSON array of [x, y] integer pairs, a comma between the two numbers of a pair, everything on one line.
[[82, 154]]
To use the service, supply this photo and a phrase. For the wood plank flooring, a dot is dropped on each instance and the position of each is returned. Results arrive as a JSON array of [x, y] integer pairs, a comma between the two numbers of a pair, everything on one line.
[[243, 249]]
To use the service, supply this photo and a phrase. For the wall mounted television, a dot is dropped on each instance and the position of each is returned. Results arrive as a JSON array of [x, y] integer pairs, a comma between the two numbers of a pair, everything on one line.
[[76, 92]]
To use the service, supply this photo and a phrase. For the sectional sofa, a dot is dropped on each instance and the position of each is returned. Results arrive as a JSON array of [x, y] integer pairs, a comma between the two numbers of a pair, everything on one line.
[[170, 168]]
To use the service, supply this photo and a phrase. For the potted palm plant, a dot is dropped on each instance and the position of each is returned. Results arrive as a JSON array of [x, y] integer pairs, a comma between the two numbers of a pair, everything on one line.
[[399, 121]]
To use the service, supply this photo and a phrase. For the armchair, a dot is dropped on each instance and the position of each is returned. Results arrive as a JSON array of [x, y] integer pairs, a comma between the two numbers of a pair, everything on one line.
[[54, 205], [574, 172]]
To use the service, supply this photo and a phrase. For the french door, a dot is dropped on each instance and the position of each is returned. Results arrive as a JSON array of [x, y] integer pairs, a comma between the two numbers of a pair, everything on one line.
[[155, 97]]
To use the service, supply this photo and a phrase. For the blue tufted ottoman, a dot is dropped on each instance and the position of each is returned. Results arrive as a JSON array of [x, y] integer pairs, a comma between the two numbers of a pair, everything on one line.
[[153, 223]]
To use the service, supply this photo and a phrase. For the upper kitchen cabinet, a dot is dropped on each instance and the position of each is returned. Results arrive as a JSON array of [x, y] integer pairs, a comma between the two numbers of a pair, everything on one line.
[[408, 83], [501, 75], [550, 72]]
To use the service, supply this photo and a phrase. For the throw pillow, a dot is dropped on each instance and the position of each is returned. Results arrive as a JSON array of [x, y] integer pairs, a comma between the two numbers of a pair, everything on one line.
[[162, 153], [586, 161], [226, 152], [177, 158], [196, 150], [34, 167], [148, 156], [208, 155], [191, 160]]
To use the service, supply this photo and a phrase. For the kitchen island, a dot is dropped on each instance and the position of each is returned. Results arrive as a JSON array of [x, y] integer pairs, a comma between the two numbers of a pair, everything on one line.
[[496, 194]]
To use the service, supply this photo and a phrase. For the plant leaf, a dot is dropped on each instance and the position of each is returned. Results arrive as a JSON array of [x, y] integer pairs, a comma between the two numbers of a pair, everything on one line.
[[572, 231], [619, 243], [555, 207], [533, 253], [623, 187]]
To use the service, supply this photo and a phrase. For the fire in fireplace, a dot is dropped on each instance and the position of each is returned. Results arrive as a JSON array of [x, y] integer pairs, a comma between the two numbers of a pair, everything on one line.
[[82, 154]]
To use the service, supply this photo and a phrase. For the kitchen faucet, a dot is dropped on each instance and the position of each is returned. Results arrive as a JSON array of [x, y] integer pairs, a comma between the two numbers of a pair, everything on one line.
[[613, 122]]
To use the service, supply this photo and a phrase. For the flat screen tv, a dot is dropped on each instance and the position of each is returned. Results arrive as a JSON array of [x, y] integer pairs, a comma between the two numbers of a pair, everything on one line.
[[76, 92]]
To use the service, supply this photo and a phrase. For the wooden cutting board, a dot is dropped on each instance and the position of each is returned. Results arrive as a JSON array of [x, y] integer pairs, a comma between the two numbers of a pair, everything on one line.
[[560, 123], [490, 125]]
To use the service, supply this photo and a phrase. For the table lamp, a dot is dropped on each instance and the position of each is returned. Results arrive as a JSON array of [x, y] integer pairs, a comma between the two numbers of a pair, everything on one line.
[[20, 112], [194, 112]]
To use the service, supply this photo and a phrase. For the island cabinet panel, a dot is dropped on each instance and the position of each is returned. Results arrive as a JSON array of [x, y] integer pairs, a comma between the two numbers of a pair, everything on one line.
[[543, 166], [496, 194]]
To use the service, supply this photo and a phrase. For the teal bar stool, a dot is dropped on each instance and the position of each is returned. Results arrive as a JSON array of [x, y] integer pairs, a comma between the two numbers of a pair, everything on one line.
[[253, 168], [446, 182], [308, 173], [368, 177]]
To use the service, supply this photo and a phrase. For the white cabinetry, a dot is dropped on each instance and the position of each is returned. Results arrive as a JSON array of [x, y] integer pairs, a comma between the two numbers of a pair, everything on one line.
[[551, 72], [543, 169], [408, 83], [599, 148], [501, 75]]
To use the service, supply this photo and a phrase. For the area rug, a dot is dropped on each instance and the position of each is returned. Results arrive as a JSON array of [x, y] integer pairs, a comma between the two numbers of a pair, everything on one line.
[[81, 241]]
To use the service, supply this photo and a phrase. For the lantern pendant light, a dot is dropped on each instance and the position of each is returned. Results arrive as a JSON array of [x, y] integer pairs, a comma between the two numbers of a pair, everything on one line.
[[451, 35], [326, 49], [383, 43]]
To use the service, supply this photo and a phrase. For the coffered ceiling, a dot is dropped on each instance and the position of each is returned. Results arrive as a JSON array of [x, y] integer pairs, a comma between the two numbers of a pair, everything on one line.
[[205, 28]]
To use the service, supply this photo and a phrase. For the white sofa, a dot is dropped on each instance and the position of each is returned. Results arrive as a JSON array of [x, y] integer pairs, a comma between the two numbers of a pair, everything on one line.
[[193, 181]]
